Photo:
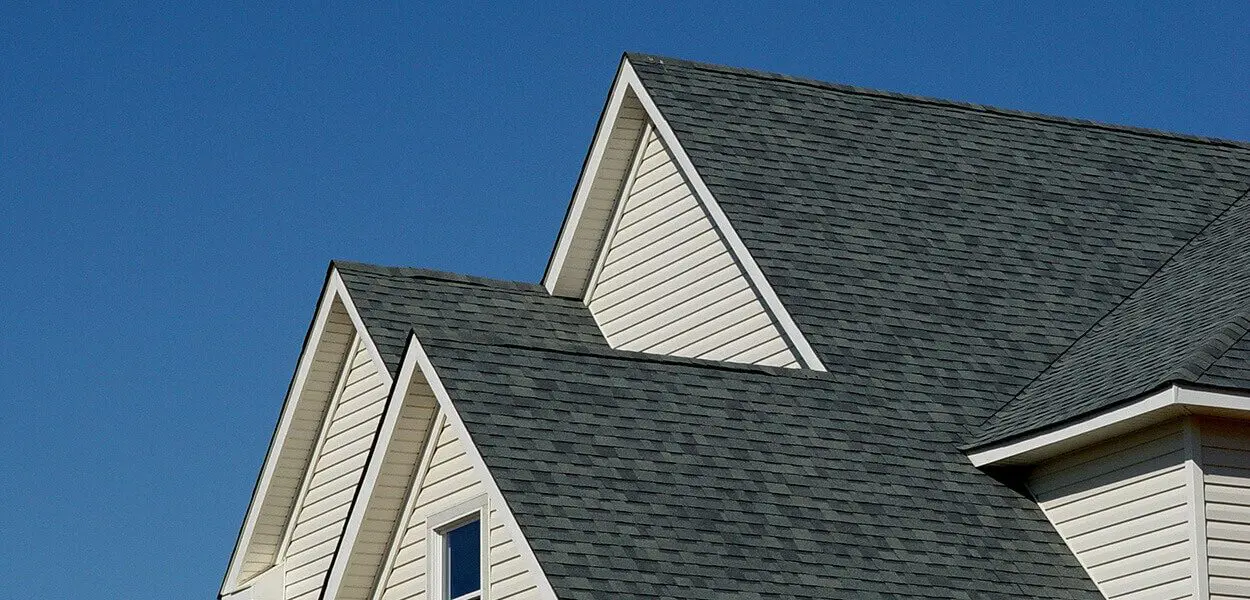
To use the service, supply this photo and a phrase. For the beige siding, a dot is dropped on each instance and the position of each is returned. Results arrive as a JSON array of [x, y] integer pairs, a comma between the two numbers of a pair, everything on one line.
[[1226, 476], [395, 478], [336, 473], [1124, 508], [668, 283], [295, 450], [604, 190], [449, 480]]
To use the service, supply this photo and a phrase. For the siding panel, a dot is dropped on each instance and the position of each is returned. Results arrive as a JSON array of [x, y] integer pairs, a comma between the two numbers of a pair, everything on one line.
[[1124, 509], [1226, 481], [669, 284], [335, 474]]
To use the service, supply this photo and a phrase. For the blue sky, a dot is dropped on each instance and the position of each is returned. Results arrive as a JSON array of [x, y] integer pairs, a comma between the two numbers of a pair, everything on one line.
[[173, 182]]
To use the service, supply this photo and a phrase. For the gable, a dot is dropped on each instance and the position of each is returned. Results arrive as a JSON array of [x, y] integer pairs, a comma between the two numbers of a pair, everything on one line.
[[264, 529], [335, 475], [656, 277], [316, 459], [666, 281], [448, 480]]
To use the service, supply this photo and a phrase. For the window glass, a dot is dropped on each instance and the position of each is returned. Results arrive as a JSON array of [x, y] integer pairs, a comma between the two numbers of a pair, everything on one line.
[[464, 560]]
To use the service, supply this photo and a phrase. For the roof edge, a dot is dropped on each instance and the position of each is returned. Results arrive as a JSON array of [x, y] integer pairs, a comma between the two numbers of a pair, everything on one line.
[[1172, 399], [934, 101]]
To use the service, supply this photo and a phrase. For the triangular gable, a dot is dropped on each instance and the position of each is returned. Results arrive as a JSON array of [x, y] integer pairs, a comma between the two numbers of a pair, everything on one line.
[[616, 169], [426, 471], [316, 457], [666, 281]]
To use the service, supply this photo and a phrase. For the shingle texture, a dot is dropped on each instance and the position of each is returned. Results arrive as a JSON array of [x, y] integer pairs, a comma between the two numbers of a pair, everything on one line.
[[1186, 324], [639, 477], [394, 301], [956, 267], [944, 250]]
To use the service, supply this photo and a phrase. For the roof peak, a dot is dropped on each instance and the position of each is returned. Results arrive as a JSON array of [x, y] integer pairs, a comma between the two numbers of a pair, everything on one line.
[[934, 101]]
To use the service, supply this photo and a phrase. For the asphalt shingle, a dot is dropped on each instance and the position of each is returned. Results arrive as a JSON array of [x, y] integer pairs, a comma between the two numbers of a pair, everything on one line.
[[943, 259], [944, 250]]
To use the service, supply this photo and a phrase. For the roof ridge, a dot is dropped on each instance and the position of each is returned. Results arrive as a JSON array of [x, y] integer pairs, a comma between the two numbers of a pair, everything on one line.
[[931, 100], [435, 274], [1094, 327]]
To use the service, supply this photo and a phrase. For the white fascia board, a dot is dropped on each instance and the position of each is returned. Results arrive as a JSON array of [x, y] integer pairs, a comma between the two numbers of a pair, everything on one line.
[[416, 353], [373, 469], [334, 289], [336, 282], [581, 193], [1175, 400], [627, 81]]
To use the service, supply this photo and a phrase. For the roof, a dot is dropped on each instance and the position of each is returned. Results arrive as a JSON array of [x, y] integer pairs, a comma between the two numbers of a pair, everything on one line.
[[946, 251], [634, 476], [1191, 316], [394, 301], [948, 262]]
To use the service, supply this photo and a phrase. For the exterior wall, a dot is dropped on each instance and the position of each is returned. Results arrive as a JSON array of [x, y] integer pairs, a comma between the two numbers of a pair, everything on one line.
[[295, 451], [667, 282], [1225, 459], [448, 480], [1125, 508], [336, 473]]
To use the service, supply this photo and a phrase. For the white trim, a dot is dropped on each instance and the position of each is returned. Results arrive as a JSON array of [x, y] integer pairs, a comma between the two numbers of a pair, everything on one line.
[[436, 528], [607, 122], [545, 591], [627, 80], [1173, 401], [1197, 508], [326, 421], [418, 481], [336, 281], [618, 209], [334, 289], [325, 305], [373, 469]]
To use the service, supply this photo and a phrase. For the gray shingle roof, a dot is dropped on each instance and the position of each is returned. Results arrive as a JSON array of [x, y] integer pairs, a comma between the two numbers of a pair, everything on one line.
[[945, 250], [1178, 327], [938, 256], [639, 477], [394, 301]]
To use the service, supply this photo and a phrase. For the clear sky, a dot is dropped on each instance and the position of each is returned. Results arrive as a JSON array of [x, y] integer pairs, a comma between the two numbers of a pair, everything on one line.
[[174, 181]]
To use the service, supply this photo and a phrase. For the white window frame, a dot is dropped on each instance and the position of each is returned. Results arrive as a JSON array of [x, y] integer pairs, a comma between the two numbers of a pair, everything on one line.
[[437, 526]]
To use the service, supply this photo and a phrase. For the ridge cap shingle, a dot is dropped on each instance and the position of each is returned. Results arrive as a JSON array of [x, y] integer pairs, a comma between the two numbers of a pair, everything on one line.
[[1151, 132]]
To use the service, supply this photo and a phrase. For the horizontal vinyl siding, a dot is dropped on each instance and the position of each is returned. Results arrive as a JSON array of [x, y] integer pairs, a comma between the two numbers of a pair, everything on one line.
[[336, 474], [1226, 479], [601, 198], [1124, 509], [295, 450], [669, 283], [448, 481], [395, 479]]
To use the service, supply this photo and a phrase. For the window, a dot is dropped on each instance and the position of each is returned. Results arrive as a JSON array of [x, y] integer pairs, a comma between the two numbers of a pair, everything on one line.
[[458, 552], [462, 557]]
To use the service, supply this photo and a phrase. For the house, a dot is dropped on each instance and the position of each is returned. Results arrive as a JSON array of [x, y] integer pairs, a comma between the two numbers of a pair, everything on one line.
[[795, 340]]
